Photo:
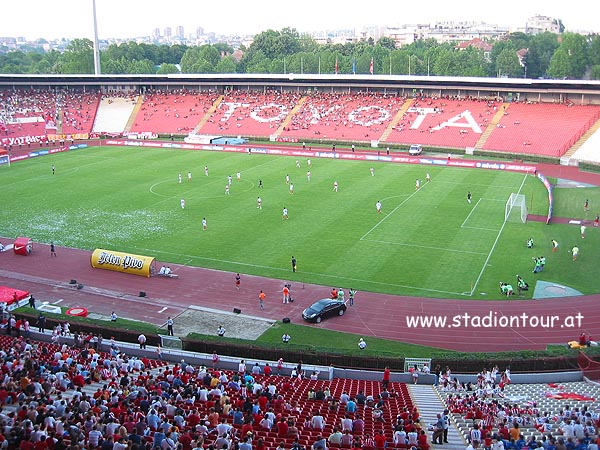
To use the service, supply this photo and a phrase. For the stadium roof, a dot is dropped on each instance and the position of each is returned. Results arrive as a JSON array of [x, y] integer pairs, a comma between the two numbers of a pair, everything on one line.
[[309, 81]]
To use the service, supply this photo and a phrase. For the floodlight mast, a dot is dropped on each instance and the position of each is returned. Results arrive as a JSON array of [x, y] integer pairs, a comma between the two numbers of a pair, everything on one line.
[[97, 70]]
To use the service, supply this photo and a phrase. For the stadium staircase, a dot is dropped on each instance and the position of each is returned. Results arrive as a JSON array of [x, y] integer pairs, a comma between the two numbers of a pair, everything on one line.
[[208, 114], [491, 126], [59, 121], [290, 115], [429, 404], [397, 118], [134, 113]]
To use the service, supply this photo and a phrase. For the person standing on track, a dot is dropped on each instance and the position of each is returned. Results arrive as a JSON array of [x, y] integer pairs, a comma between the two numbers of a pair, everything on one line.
[[169, 324], [351, 295], [286, 294]]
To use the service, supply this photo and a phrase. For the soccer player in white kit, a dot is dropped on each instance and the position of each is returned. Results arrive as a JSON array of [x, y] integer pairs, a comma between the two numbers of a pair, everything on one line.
[[378, 206], [182, 203]]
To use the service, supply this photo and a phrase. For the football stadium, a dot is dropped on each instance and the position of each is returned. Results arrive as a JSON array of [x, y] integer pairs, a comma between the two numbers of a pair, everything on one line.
[[351, 254]]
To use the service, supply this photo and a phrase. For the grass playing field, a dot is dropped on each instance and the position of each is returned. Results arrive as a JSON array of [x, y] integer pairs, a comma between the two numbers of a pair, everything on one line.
[[427, 242]]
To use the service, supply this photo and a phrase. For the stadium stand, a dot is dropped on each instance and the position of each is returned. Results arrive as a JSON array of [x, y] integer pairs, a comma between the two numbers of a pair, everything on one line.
[[444, 122], [541, 411], [175, 112], [548, 129], [541, 128], [250, 113], [114, 111], [77, 112], [588, 148], [44, 111], [344, 117], [63, 392]]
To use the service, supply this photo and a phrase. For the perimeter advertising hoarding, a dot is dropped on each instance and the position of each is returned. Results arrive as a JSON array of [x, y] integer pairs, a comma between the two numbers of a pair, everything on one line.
[[122, 262]]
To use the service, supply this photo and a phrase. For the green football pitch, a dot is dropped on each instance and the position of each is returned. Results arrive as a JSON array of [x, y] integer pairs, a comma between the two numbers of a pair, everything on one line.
[[428, 242]]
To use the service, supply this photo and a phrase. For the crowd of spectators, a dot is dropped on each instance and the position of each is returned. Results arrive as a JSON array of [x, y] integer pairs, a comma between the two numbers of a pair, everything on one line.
[[86, 394], [37, 112], [501, 422]]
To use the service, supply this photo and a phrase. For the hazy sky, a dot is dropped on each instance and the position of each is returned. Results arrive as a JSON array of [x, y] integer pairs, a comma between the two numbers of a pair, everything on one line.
[[131, 18]]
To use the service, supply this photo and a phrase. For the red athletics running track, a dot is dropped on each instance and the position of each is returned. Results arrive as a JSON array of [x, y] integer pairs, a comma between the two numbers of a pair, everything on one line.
[[373, 314]]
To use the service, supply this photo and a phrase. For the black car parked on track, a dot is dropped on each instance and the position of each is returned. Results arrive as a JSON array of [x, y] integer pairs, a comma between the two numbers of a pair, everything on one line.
[[324, 308]]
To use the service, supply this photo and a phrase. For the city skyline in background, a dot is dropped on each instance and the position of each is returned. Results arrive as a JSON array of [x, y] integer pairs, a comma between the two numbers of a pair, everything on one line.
[[133, 19]]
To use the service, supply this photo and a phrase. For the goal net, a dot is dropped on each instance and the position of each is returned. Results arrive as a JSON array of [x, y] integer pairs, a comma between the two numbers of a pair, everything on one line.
[[516, 209]]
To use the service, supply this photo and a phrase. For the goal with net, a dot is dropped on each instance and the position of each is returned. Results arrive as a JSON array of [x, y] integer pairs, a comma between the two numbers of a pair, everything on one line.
[[516, 209]]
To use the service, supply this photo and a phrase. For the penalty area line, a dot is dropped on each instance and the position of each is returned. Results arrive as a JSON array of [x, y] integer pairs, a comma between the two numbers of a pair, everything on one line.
[[472, 211]]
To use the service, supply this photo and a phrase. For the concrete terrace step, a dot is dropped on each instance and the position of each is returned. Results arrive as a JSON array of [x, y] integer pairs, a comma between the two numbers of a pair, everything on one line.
[[429, 405]]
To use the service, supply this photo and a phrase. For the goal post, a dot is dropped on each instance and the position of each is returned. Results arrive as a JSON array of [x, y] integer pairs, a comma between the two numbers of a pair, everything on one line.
[[516, 209]]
